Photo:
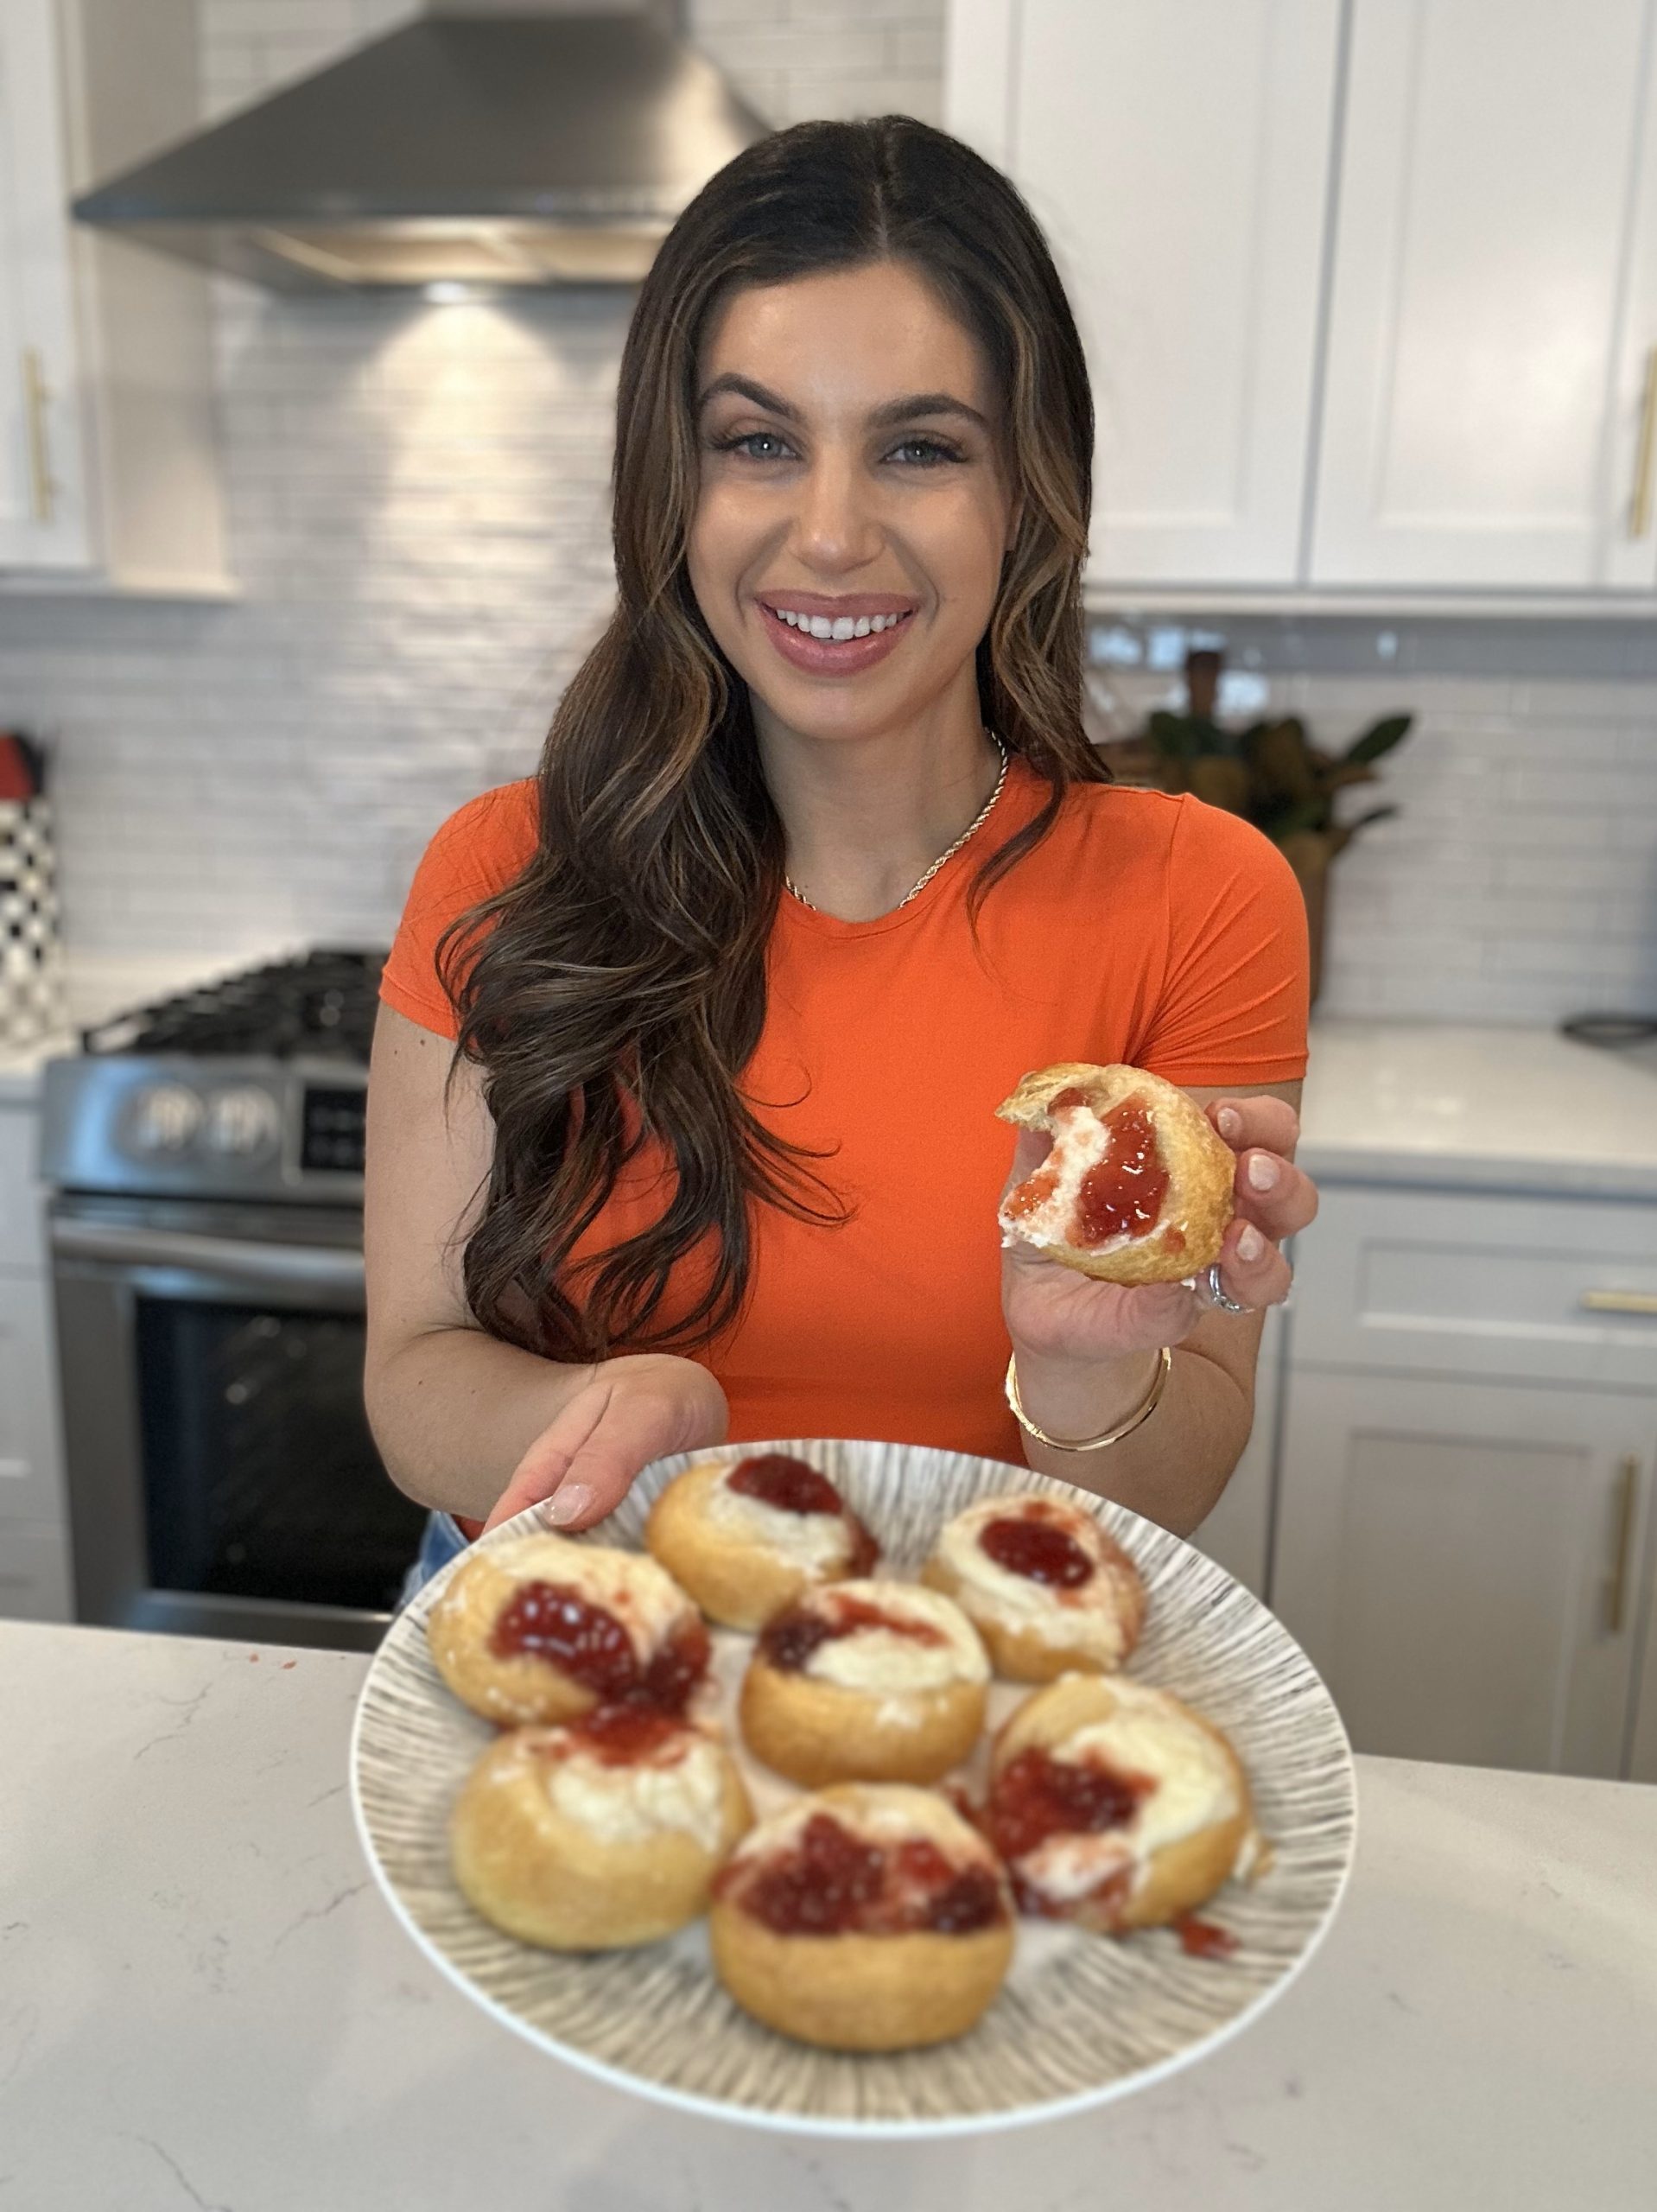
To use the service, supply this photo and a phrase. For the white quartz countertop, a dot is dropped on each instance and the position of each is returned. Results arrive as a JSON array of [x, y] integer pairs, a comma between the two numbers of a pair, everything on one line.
[[204, 2001], [1491, 1108]]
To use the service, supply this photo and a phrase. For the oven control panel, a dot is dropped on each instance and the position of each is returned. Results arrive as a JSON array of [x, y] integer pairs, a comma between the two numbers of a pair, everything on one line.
[[331, 1130]]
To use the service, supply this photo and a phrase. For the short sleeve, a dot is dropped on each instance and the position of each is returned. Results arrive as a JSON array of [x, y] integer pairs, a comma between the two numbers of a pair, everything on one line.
[[1233, 1006], [484, 846]]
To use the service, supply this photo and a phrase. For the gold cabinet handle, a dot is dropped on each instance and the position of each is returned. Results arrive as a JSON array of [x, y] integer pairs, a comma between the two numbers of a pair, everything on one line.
[[1619, 1301], [1640, 496], [1617, 1597], [37, 394]]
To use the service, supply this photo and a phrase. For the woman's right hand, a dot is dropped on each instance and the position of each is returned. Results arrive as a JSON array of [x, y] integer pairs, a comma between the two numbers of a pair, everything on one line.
[[635, 1408]]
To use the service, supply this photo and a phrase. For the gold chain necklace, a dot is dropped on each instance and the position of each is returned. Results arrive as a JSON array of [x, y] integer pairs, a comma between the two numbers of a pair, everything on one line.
[[971, 830]]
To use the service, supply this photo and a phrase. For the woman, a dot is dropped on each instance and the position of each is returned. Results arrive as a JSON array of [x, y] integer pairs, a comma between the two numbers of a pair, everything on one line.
[[818, 862]]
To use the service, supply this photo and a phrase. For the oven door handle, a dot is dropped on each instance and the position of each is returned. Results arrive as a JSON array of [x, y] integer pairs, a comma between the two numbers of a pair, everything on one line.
[[318, 1267]]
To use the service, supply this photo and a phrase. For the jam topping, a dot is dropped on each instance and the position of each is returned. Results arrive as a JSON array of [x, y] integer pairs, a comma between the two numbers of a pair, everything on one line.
[[1121, 1195], [1203, 1940], [789, 1638], [625, 1735], [1028, 1545], [1036, 1796], [1032, 1194], [833, 1883], [555, 1622], [1062, 1101], [789, 1484]]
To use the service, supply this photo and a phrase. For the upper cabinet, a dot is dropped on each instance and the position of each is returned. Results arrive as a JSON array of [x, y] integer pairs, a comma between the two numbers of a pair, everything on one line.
[[1492, 317], [1368, 286], [108, 468]]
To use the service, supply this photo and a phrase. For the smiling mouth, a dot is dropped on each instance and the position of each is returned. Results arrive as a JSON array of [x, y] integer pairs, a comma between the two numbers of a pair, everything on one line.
[[837, 629]]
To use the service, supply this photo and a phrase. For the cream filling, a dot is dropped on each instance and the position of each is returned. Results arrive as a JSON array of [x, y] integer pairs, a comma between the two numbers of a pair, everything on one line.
[[631, 1804], [642, 1597], [1081, 1140], [1147, 1734], [819, 1542], [885, 1662], [1087, 1618], [883, 1813]]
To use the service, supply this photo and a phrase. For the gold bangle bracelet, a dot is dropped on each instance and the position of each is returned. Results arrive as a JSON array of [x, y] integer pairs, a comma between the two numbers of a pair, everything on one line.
[[1164, 1365]]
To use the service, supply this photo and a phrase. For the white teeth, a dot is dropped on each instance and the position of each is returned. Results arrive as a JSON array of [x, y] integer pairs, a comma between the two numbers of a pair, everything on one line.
[[821, 626], [841, 626], [861, 628]]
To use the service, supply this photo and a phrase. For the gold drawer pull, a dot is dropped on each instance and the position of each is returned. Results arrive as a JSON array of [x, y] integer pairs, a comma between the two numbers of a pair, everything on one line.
[[36, 397], [1640, 495], [1616, 1605], [1619, 1301]]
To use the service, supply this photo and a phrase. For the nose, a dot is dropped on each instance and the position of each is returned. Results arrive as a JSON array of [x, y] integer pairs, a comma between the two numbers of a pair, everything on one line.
[[836, 525]]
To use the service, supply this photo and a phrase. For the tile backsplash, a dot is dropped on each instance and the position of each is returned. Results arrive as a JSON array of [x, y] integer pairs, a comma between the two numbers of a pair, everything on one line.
[[417, 508]]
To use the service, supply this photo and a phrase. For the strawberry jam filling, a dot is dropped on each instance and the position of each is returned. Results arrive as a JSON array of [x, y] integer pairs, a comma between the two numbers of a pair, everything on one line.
[[1119, 1196], [1205, 1941], [625, 1735], [554, 1622], [789, 1638], [777, 1480], [833, 1883], [1036, 1796], [1028, 1545]]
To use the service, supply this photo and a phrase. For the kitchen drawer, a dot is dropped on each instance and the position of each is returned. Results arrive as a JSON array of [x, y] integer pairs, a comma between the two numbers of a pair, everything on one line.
[[30, 1485], [1543, 1289], [21, 1244], [35, 1575]]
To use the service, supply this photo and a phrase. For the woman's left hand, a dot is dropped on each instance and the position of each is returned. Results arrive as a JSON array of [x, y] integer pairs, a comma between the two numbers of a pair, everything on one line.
[[1053, 1312]]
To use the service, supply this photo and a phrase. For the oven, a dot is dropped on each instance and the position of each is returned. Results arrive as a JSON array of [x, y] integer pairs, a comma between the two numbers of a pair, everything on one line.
[[206, 1235]]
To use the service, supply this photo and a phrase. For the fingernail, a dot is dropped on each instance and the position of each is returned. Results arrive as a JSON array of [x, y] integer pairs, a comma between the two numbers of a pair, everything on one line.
[[1250, 1245], [1262, 1171], [569, 1502], [1230, 1121]]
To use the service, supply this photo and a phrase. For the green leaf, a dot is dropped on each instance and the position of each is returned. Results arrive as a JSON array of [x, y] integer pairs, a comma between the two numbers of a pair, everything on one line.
[[1306, 814], [1375, 814], [1379, 737]]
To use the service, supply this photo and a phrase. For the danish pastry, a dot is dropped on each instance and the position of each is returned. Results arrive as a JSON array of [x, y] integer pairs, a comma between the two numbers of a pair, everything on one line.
[[542, 1629], [606, 1832], [1043, 1584], [743, 1539], [1116, 1806], [863, 1918], [1137, 1187], [877, 1682]]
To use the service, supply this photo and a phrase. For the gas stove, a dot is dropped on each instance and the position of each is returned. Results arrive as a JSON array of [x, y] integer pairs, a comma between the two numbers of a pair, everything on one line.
[[251, 1087]]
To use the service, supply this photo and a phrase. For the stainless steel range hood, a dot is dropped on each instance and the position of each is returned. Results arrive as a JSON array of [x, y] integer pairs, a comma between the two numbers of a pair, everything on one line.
[[483, 144]]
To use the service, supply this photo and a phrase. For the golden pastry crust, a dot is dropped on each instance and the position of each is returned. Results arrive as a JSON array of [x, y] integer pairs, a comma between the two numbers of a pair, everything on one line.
[[1201, 1166], [1177, 1876], [1021, 1652], [857, 1992], [739, 1583], [816, 1733], [516, 1689], [551, 1880]]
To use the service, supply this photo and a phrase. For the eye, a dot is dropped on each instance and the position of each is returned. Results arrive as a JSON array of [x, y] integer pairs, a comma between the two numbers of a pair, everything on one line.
[[749, 439], [932, 451]]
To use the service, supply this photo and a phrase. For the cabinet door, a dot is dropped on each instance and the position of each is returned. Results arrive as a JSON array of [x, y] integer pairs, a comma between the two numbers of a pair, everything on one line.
[[1495, 298], [42, 501], [1177, 159], [1237, 1533], [1460, 1563], [31, 1485]]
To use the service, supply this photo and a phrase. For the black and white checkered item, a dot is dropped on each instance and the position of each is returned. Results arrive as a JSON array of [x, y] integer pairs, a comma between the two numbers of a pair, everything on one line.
[[31, 957]]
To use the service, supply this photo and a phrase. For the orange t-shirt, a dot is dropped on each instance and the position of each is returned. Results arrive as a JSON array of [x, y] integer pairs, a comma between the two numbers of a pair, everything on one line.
[[1144, 929]]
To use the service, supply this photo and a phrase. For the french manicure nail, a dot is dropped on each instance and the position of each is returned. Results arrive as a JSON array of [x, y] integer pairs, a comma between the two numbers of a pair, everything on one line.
[[1262, 1171], [1250, 1245], [569, 1502], [1230, 1121]]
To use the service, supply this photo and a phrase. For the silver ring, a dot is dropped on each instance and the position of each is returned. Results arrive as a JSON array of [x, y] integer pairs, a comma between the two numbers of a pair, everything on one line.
[[1217, 1293]]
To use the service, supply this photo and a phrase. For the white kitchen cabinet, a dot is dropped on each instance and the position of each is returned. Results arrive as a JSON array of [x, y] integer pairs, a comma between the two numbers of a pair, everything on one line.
[[108, 469], [1492, 330], [1461, 1561], [1177, 159], [1237, 1533], [33, 1515]]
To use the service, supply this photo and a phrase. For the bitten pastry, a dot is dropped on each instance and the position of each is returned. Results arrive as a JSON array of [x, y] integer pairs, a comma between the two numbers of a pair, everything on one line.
[[743, 1539], [863, 1918], [1114, 1805], [542, 1628], [1043, 1584], [877, 1682], [606, 1832], [1137, 1187]]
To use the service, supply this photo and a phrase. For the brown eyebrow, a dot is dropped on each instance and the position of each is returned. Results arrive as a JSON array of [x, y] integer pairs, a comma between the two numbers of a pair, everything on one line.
[[883, 417]]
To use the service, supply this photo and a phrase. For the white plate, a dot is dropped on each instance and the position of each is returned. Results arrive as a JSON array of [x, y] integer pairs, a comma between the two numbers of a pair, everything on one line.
[[1082, 2019]]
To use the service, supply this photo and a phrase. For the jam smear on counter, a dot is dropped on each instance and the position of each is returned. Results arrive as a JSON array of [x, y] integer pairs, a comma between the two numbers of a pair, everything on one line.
[[1036, 1796], [1203, 1940], [789, 1638], [553, 1621], [833, 1883], [1027, 1545]]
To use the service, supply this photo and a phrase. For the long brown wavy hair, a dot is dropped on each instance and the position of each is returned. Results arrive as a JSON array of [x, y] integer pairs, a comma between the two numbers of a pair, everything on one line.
[[614, 992]]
